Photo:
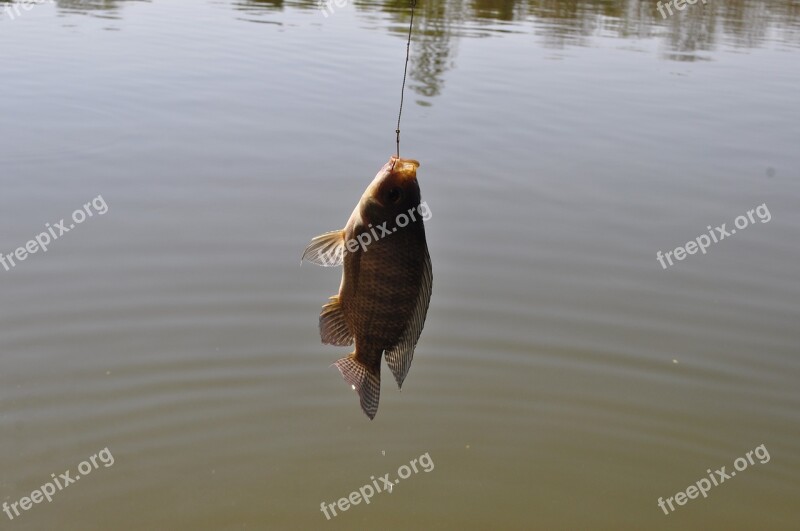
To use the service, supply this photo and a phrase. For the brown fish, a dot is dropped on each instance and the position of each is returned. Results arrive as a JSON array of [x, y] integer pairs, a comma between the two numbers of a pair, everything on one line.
[[386, 282]]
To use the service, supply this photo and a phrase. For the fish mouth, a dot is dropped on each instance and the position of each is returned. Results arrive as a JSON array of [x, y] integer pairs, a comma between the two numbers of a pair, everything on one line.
[[403, 167]]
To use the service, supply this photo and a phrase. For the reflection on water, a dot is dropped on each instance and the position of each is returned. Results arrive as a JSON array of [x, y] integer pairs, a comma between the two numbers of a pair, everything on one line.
[[434, 44], [688, 35], [745, 23], [102, 8], [255, 6]]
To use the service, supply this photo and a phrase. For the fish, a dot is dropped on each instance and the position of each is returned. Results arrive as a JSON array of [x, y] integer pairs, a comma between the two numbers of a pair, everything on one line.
[[387, 281]]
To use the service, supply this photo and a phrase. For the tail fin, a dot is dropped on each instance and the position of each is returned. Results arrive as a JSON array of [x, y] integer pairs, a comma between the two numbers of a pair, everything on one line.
[[364, 381]]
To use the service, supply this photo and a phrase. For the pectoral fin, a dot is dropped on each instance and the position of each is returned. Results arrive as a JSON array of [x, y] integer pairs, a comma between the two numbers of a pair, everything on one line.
[[326, 249]]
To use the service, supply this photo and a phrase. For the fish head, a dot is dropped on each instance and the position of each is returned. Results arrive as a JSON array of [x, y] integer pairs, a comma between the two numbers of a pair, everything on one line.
[[393, 191]]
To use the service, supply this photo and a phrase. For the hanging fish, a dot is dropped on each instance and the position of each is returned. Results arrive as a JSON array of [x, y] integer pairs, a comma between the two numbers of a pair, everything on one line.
[[386, 283]]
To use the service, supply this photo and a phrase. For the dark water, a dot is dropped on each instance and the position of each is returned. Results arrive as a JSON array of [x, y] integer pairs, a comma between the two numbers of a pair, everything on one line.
[[564, 379]]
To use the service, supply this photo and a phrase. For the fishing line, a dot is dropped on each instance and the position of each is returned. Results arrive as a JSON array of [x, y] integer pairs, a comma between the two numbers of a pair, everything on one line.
[[405, 70]]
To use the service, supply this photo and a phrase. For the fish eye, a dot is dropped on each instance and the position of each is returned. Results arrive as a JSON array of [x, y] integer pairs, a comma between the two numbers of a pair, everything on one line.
[[393, 195]]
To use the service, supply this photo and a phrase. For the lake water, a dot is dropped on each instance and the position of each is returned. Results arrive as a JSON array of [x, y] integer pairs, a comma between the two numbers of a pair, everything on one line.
[[565, 379]]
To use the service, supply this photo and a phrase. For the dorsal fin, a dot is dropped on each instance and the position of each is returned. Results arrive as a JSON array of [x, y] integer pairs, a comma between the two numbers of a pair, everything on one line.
[[399, 357]]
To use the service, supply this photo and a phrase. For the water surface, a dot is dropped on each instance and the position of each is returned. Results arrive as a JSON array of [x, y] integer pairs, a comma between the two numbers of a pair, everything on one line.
[[564, 379]]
